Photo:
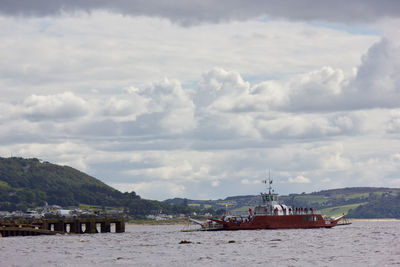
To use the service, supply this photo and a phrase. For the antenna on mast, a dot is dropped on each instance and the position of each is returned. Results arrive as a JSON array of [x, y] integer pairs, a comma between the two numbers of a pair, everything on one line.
[[269, 181]]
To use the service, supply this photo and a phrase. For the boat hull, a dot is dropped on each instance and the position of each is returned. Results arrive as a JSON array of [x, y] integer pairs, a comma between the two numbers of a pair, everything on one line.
[[279, 222]]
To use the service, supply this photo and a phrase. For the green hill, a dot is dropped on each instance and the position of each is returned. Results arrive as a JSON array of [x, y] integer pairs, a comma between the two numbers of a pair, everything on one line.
[[386, 205], [28, 183], [355, 202], [364, 200], [32, 183]]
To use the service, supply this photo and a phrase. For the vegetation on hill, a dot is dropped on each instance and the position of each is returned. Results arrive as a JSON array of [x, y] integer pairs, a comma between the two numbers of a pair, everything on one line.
[[384, 206], [28, 183], [356, 202], [32, 182]]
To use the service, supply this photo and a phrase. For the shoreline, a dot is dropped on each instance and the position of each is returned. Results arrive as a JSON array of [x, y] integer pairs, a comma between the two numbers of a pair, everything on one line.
[[158, 223], [186, 223], [155, 224], [374, 220]]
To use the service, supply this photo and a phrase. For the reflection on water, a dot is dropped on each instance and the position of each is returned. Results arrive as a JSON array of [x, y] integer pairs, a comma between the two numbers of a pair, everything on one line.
[[371, 243]]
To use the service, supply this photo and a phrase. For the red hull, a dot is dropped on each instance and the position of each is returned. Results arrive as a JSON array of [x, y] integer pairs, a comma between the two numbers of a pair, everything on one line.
[[302, 221]]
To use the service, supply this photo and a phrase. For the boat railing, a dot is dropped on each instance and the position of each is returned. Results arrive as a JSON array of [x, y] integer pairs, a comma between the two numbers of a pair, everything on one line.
[[316, 212], [238, 218], [212, 226], [263, 213]]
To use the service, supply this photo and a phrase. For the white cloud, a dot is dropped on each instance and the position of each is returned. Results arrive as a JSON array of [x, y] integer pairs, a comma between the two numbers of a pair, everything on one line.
[[333, 158], [125, 107], [160, 190], [248, 182], [220, 90], [326, 180], [105, 52], [175, 105], [245, 181], [377, 83], [215, 183], [147, 105], [316, 90], [300, 179], [63, 106], [183, 166]]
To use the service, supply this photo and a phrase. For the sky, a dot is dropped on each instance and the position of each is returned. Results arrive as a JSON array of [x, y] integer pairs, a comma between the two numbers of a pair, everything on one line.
[[200, 99]]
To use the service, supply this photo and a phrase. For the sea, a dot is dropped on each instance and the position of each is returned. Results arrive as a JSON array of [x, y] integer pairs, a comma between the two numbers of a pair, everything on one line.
[[363, 243]]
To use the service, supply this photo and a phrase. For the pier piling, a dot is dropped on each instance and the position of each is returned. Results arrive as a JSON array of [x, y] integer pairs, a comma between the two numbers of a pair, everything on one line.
[[62, 225]]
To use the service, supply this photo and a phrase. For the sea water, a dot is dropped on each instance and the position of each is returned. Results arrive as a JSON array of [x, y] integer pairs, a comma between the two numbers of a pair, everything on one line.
[[363, 243]]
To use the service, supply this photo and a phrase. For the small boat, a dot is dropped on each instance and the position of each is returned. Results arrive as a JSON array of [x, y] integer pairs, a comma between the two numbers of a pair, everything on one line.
[[209, 225], [272, 215], [344, 221]]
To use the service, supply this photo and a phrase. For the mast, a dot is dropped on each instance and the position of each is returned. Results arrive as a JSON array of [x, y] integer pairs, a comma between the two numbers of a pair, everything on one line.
[[270, 195], [269, 182]]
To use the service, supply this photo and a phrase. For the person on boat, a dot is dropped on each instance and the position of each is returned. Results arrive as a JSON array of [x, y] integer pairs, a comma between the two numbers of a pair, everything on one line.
[[276, 211]]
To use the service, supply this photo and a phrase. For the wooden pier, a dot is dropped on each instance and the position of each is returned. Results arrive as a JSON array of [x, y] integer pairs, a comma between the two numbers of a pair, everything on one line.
[[90, 225]]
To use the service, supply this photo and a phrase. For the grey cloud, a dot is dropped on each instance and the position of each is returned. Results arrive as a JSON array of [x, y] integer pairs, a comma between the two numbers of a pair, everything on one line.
[[93, 128], [22, 132], [393, 125], [161, 109], [377, 83], [225, 110], [193, 11]]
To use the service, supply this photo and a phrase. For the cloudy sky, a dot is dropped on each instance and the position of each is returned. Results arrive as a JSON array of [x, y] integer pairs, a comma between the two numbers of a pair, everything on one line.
[[199, 99]]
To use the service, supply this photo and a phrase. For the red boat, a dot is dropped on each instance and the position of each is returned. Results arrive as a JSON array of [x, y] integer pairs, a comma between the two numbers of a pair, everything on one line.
[[273, 215]]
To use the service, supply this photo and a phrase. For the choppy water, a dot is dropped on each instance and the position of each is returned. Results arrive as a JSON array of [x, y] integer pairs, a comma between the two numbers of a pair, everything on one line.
[[364, 243]]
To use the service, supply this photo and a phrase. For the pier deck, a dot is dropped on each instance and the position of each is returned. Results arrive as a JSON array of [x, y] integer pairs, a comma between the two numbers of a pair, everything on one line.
[[51, 226]]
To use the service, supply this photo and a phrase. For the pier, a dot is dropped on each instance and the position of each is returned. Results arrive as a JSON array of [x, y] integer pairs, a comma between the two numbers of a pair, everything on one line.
[[52, 226]]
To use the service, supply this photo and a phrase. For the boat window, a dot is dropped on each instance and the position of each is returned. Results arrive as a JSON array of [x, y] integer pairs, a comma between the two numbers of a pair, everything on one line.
[[310, 218]]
